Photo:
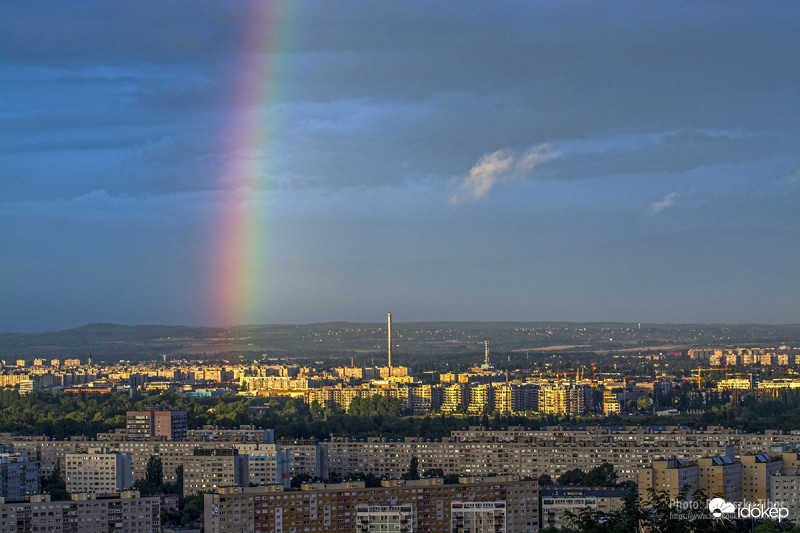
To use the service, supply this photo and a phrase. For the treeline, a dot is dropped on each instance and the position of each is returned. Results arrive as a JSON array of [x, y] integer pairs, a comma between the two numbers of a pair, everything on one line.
[[61, 415]]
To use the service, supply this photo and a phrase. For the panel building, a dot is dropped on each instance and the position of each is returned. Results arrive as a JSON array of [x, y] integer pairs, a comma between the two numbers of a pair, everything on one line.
[[171, 425], [98, 472], [322, 507], [125, 512], [18, 476]]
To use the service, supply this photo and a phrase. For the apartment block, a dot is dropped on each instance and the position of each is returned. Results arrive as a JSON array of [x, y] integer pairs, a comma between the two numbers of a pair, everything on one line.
[[99, 471], [385, 518], [306, 456], [324, 508], [18, 475], [668, 475], [269, 466], [212, 468], [478, 517], [171, 425], [757, 469], [125, 512], [785, 491], [720, 476], [556, 501]]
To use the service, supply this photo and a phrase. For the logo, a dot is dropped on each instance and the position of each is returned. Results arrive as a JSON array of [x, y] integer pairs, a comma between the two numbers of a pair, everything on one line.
[[718, 507]]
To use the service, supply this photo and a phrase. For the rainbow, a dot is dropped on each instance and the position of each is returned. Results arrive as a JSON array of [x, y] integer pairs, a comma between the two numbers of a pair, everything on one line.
[[239, 281]]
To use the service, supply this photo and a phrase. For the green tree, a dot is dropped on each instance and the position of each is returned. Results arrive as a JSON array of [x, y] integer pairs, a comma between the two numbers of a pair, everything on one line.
[[413, 469], [154, 473], [572, 477], [643, 402], [600, 476], [433, 472], [54, 485]]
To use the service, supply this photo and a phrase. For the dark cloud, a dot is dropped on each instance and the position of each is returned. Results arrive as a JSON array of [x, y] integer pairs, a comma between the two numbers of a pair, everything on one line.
[[124, 124]]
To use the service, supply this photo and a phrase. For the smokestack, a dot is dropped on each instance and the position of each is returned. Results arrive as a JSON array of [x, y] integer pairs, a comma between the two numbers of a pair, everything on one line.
[[389, 329], [486, 351]]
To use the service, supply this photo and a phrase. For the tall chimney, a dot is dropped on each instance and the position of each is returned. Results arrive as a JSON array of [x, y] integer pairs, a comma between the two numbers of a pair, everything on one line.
[[389, 329], [486, 350]]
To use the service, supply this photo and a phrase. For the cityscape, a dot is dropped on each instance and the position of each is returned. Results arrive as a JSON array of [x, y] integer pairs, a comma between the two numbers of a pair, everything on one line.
[[505, 448], [292, 266]]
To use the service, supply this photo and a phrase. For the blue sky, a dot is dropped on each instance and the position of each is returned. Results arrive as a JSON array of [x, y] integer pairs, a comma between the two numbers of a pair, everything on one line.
[[584, 161]]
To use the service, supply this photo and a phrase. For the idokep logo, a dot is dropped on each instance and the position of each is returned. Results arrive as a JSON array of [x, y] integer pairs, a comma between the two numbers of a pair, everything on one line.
[[718, 507]]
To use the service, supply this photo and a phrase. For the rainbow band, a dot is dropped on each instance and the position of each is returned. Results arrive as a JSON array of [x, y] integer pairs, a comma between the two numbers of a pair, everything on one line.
[[239, 280]]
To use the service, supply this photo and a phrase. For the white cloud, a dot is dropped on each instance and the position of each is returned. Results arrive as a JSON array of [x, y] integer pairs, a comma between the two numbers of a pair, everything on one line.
[[665, 203], [498, 167]]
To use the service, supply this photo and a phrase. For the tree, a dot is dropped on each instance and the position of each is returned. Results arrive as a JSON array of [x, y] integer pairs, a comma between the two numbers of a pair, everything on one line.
[[54, 485], [179, 478], [413, 469], [643, 402], [658, 514], [572, 477], [433, 472], [600, 476], [154, 473], [545, 479]]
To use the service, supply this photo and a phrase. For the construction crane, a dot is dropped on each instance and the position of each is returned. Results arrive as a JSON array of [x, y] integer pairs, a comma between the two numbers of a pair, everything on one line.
[[748, 374], [596, 366], [699, 374]]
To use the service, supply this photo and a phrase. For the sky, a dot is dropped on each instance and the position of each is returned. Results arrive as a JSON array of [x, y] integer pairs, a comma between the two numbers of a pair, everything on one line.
[[216, 163]]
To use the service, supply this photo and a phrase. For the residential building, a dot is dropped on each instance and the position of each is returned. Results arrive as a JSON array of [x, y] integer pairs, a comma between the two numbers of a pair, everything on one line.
[[125, 512], [757, 469], [269, 465], [673, 476], [211, 468], [18, 475], [171, 425], [323, 508], [720, 476], [99, 471], [557, 500], [385, 518], [478, 517]]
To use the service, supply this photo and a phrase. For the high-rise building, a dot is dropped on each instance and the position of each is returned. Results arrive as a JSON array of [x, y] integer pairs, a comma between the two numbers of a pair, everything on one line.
[[98, 472], [756, 472], [668, 475], [171, 425], [478, 517], [385, 518], [18, 475], [85, 513], [720, 477], [211, 468], [269, 465], [424, 505]]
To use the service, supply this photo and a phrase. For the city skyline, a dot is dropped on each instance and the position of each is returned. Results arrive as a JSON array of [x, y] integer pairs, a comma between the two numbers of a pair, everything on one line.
[[197, 164]]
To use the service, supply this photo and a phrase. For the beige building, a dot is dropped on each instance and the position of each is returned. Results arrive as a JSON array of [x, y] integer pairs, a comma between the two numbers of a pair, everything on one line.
[[721, 477], [757, 469], [672, 476]]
